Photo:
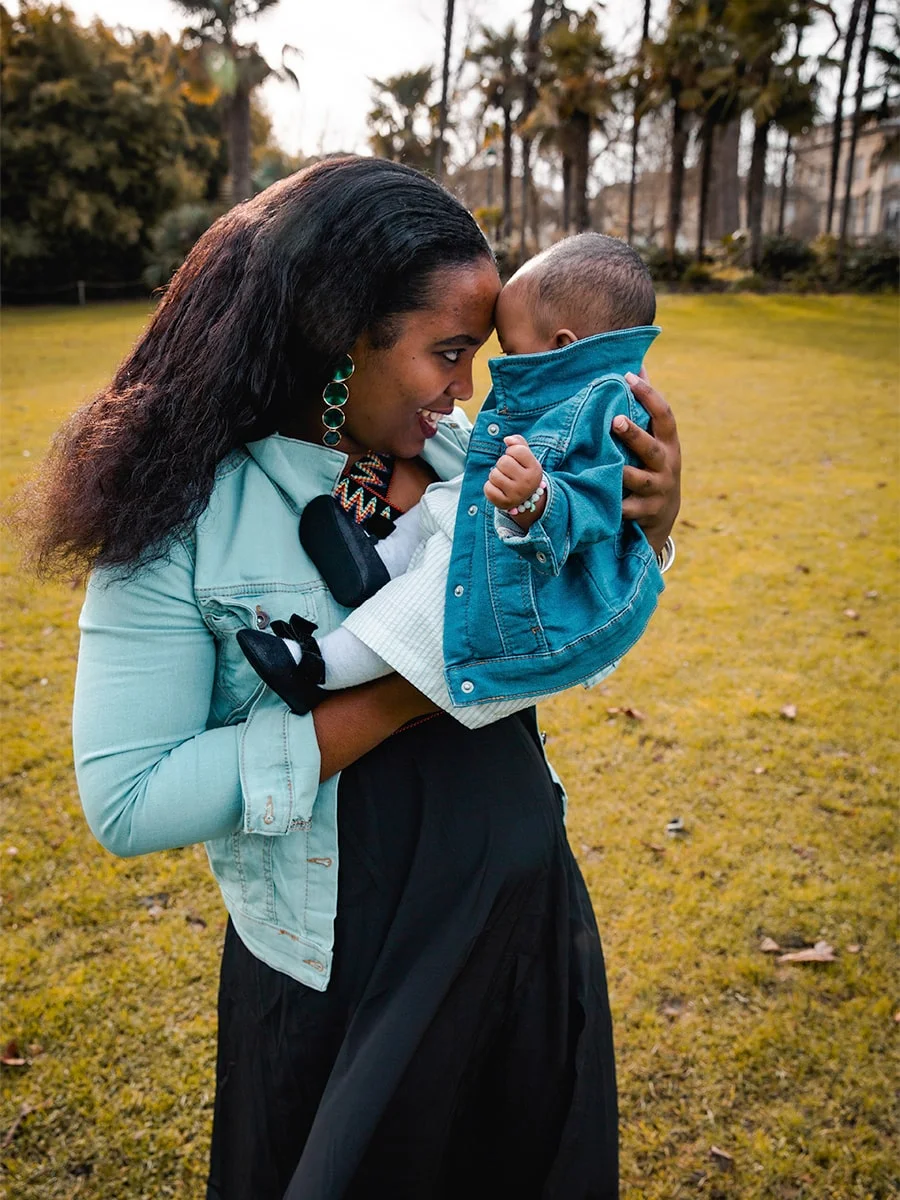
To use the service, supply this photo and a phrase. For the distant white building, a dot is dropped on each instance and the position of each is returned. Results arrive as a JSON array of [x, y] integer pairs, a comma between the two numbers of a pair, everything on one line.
[[875, 188]]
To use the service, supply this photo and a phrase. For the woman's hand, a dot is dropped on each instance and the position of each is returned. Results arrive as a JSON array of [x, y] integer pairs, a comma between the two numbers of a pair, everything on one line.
[[655, 489]]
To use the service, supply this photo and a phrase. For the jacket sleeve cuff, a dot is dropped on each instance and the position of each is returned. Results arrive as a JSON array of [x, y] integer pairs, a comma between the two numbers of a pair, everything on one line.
[[546, 543], [279, 766]]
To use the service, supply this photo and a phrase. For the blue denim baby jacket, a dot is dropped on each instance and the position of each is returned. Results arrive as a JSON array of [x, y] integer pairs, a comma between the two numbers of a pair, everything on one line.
[[573, 594]]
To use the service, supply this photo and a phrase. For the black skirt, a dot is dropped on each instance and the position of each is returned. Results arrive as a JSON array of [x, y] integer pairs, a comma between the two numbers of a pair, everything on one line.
[[464, 1044]]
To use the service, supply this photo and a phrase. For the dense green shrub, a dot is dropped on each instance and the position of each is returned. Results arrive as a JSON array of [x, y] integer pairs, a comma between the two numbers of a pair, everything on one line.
[[661, 268], [783, 256], [171, 240], [873, 266]]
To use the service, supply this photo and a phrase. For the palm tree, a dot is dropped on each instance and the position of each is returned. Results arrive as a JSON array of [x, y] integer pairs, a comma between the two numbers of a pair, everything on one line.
[[496, 56], [771, 89], [854, 132], [837, 127], [216, 61], [573, 97], [400, 110], [445, 88], [529, 99], [673, 67], [636, 118]]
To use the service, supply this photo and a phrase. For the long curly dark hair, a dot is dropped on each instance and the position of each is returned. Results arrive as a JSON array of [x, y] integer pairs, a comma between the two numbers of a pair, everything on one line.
[[269, 299]]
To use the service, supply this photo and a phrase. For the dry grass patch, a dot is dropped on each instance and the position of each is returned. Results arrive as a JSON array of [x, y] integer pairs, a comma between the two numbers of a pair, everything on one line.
[[788, 413]]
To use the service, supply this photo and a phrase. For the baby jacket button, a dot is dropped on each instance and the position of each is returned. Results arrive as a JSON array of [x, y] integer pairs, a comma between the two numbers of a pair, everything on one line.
[[493, 429], [468, 686], [541, 556]]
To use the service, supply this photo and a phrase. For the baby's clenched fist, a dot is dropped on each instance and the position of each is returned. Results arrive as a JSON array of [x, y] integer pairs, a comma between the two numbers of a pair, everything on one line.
[[515, 478]]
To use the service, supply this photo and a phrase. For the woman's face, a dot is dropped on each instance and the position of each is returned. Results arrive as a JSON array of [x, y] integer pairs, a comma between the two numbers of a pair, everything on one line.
[[397, 395]]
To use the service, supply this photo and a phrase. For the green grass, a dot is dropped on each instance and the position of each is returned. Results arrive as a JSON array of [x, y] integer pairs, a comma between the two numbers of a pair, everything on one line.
[[789, 419]]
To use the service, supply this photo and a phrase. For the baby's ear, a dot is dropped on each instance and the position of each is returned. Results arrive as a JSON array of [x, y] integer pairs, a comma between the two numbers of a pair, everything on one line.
[[563, 337]]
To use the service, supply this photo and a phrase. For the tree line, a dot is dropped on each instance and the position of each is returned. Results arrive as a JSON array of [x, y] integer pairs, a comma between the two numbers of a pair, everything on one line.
[[119, 148], [709, 70]]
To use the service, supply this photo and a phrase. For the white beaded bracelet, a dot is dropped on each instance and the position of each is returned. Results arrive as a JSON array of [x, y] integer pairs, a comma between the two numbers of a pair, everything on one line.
[[666, 556], [530, 504]]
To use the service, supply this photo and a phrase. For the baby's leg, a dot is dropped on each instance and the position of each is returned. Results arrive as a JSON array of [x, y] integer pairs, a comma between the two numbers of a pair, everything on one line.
[[397, 548], [348, 661]]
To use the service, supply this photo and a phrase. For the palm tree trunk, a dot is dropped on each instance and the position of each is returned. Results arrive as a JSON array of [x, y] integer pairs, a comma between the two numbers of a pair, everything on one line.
[[532, 50], [507, 174], [854, 134], [676, 178], [566, 192], [445, 88], [239, 144], [706, 154], [837, 127], [756, 191], [635, 126], [724, 214], [581, 159], [782, 199]]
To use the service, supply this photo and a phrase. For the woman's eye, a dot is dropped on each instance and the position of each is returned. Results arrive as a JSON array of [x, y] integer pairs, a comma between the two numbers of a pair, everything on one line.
[[452, 356]]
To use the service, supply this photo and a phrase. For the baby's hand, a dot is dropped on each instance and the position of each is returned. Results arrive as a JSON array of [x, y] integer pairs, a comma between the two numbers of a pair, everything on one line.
[[516, 477]]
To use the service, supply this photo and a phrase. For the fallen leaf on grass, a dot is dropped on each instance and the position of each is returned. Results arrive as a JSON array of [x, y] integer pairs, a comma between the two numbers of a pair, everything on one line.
[[12, 1056], [821, 952], [724, 1160], [155, 911], [157, 900], [194, 921], [802, 568], [789, 712], [854, 948], [769, 946], [851, 614], [675, 827], [871, 594], [652, 846], [591, 853], [633, 714], [804, 852]]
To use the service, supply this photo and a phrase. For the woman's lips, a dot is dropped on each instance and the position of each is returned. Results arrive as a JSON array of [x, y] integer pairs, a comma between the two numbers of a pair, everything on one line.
[[428, 420]]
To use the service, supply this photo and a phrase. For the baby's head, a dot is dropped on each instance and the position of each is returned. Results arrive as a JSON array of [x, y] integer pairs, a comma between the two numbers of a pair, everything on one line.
[[583, 285]]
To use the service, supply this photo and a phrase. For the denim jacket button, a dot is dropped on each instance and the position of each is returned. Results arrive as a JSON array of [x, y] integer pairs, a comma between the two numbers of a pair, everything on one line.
[[541, 556], [458, 590], [473, 509], [493, 429], [468, 686]]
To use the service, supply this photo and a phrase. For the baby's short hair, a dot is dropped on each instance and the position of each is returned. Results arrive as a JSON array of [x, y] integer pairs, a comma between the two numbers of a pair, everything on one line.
[[591, 281]]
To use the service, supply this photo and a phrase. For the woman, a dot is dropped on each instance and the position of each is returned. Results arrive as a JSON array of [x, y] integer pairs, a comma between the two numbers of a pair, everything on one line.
[[443, 1027]]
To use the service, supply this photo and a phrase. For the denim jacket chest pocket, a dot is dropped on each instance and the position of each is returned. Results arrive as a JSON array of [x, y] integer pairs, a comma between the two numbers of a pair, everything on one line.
[[227, 610]]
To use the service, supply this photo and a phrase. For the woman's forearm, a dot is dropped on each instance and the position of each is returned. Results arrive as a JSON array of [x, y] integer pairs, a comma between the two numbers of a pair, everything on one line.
[[349, 724]]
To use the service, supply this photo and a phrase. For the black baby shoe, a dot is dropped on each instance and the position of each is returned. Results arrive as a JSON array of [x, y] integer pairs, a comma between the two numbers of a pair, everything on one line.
[[296, 683], [343, 551]]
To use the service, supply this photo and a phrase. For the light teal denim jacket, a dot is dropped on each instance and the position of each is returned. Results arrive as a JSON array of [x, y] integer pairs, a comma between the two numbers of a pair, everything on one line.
[[177, 741]]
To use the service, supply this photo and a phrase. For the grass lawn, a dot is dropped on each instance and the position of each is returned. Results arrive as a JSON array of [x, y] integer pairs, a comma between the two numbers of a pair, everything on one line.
[[784, 594]]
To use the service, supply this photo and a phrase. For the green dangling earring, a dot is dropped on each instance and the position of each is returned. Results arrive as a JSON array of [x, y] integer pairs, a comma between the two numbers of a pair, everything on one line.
[[336, 395]]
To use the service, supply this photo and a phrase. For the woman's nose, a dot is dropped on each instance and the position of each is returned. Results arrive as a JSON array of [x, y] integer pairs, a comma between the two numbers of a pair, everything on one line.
[[461, 386]]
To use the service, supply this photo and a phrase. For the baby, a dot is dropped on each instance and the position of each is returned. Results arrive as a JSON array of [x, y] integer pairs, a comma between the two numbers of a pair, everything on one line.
[[487, 607]]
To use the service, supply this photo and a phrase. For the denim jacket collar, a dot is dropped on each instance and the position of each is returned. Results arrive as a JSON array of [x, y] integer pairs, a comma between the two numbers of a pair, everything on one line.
[[303, 469], [534, 382]]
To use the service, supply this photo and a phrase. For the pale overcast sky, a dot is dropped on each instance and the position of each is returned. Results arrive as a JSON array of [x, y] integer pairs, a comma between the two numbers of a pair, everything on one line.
[[345, 43]]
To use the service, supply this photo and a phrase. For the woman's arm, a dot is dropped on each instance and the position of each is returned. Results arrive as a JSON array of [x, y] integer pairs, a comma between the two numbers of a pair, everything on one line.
[[150, 774], [349, 724], [656, 489]]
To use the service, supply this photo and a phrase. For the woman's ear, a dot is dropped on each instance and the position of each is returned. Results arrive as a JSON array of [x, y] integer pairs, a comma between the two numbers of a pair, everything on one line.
[[563, 337]]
